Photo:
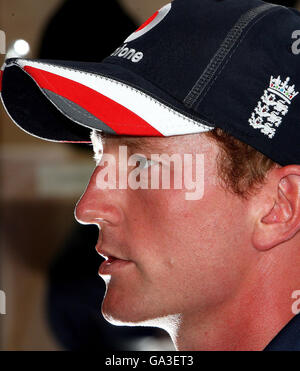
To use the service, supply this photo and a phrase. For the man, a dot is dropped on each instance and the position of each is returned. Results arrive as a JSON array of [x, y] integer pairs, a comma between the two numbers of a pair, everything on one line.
[[218, 269]]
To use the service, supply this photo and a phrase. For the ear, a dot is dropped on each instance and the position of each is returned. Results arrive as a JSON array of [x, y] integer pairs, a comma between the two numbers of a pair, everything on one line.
[[278, 218]]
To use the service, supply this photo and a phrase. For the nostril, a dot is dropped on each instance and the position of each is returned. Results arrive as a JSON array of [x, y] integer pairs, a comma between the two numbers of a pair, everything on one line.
[[100, 220], [84, 214]]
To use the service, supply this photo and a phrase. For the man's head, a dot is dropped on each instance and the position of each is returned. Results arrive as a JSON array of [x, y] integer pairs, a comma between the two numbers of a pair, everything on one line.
[[189, 257]]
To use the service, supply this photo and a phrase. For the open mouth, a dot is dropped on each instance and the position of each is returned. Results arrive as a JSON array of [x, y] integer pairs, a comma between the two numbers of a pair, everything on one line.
[[111, 259], [112, 265]]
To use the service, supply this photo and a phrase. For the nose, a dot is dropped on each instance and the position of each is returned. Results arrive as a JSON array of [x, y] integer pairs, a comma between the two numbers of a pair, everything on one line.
[[98, 205]]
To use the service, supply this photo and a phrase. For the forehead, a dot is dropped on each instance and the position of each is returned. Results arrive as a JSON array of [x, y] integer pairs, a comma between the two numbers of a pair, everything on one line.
[[183, 143]]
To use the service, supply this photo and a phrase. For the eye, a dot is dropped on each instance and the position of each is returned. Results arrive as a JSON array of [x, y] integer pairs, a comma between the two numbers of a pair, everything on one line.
[[143, 162]]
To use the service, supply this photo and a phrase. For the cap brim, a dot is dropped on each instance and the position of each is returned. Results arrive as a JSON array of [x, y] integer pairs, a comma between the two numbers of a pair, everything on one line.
[[62, 101]]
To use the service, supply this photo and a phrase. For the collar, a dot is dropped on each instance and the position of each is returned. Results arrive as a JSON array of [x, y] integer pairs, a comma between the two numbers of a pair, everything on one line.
[[288, 339]]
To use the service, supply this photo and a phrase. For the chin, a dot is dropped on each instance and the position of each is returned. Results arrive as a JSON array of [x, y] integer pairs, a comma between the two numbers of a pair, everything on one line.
[[120, 312], [122, 305]]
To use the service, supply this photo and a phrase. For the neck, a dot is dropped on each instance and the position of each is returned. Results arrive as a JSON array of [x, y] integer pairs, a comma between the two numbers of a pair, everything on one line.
[[249, 320]]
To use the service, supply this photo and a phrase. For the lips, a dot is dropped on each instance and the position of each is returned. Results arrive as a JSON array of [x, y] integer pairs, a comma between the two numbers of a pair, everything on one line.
[[113, 266], [113, 261], [109, 256]]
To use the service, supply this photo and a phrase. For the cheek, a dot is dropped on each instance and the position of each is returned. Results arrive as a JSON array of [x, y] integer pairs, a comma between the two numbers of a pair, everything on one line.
[[163, 223], [196, 243]]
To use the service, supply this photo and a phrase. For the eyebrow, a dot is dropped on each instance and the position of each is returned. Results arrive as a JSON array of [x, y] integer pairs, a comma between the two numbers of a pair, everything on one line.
[[145, 144]]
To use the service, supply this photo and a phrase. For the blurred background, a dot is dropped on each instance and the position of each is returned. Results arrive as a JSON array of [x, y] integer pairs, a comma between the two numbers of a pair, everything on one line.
[[48, 262]]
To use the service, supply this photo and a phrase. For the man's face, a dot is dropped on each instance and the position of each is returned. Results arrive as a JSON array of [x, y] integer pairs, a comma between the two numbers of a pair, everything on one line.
[[185, 256]]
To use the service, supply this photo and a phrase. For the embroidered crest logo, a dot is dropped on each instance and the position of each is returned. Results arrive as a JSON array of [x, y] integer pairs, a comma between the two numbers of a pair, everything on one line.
[[273, 106]]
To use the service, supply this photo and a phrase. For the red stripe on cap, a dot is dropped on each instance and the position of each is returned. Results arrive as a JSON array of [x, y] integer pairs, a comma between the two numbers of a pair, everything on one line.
[[119, 118], [1, 75], [148, 21]]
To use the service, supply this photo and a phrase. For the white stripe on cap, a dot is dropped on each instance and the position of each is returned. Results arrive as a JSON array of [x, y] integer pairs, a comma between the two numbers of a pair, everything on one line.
[[163, 118]]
